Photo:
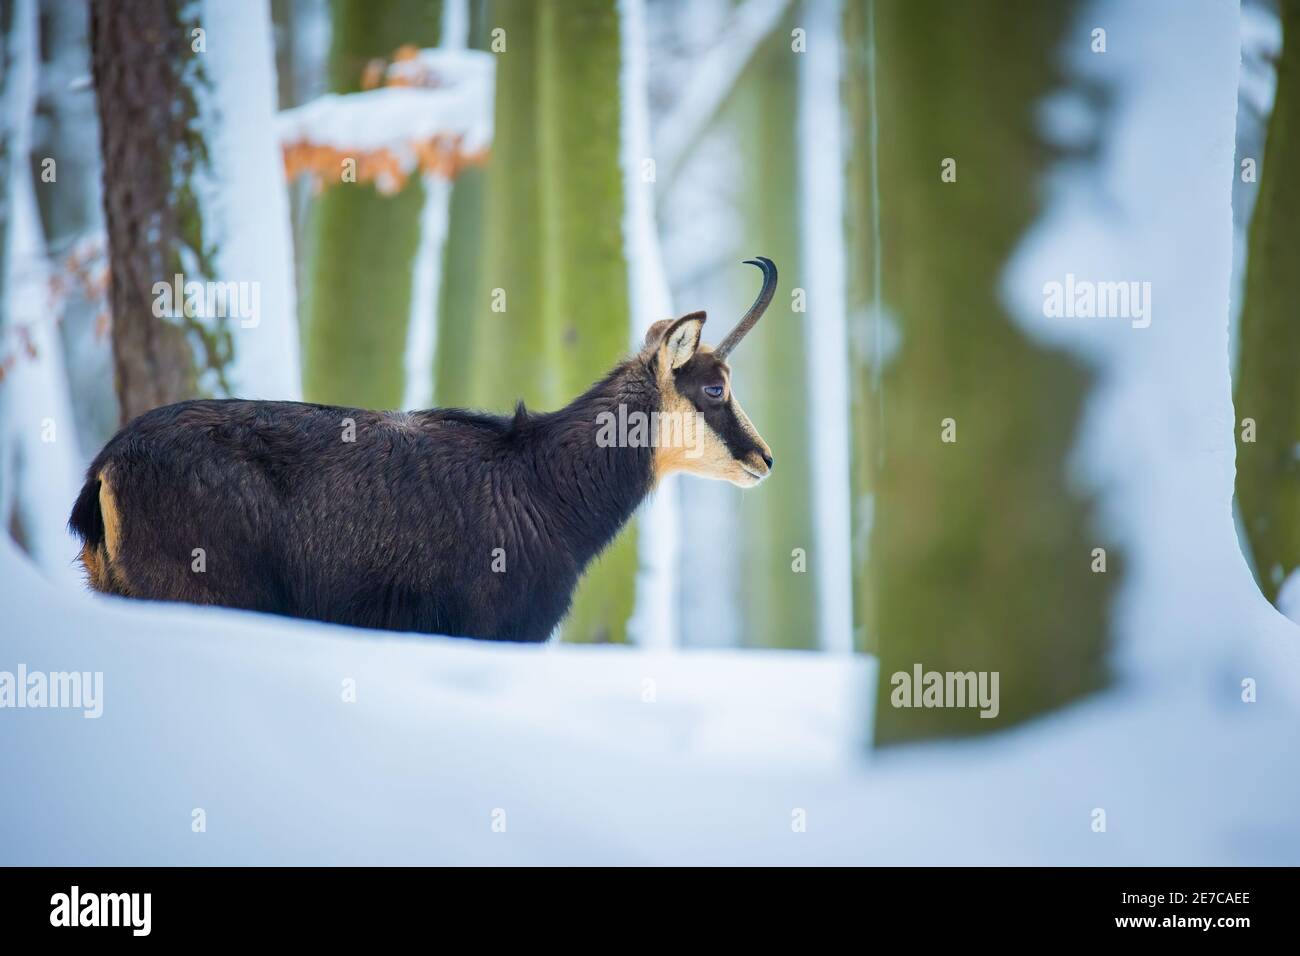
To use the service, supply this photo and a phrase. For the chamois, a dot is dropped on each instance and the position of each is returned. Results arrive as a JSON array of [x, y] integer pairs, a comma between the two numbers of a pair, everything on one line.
[[442, 521]]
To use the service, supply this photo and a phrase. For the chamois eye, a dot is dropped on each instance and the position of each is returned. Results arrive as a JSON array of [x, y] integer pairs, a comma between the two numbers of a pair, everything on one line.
[[713, 391]]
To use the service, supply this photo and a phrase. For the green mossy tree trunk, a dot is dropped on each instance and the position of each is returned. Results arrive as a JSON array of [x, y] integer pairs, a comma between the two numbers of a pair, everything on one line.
[[778, 596], [585, 292], [1268, 378], [860, 206], [551, 314], [973, 555], [463, 302], [362, 245], [508, 335]]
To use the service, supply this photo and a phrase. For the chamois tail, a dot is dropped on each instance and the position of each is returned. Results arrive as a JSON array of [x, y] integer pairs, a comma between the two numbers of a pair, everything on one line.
[[87, 523]]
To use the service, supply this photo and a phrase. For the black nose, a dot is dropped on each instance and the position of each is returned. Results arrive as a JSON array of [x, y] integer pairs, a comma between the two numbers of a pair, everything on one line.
[[768, 459]]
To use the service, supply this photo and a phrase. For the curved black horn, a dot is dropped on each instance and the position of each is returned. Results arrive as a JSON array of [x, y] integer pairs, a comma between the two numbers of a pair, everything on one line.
[[756, 310]]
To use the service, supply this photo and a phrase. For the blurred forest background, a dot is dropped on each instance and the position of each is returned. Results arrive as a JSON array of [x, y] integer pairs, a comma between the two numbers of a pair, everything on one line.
[[469, 202]]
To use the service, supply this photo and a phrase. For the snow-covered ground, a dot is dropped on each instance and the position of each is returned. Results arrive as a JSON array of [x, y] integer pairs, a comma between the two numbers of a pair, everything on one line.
[[318, 744], [472, 753]]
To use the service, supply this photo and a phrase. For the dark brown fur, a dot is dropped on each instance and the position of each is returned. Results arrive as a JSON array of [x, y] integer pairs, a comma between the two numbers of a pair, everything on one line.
[[399, 529], [441, 521]]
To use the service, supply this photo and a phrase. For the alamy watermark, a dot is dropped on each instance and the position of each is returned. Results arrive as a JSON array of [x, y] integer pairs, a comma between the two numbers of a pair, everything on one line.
[[72, 690], [209, 300], [130, 910], [633, 428], [1085, 299], [922, 688]]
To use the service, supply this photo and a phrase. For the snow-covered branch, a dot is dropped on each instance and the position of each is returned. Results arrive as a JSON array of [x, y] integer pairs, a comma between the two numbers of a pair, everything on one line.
[[435, 115], [712, 82]]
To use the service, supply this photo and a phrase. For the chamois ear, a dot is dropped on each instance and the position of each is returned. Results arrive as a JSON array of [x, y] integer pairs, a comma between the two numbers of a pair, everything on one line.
[[656, 331], [679, 340]]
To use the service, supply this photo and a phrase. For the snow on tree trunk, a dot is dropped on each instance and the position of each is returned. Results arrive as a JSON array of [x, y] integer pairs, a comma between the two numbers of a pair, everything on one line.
[[194, 198], [821, 182], [711, 83], [38, 440], [779, 589], [460, 306], [463, 305], [433, 254], [1268, 388], [974, 554], [657, 594], [363, 245], [422, 324], [145, 69], [69, 193], [247, 205]]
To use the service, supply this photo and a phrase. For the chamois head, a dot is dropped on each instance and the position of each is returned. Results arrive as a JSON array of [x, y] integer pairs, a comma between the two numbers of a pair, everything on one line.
[[695, 383]]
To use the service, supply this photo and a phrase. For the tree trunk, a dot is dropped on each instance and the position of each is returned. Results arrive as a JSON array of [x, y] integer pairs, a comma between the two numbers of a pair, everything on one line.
[[8, 343], [862, 284], [463, 303], [976, 554], [72, 212], [778, 597], [509, 335], [37, 436], [144, 69], [585, 294], [362, 244], [551, 314], [1268, 387]]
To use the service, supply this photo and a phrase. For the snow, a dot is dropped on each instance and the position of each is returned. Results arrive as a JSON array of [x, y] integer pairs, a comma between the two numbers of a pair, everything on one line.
[[1261, 45], [595, 755], [657, 586], [1158, 438], [1288, 596], [422, 325], [42, 466], [702, 239], [426, 278], [396, 117], [243, 716], [822, 158], [712, 80], [246, 203]]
